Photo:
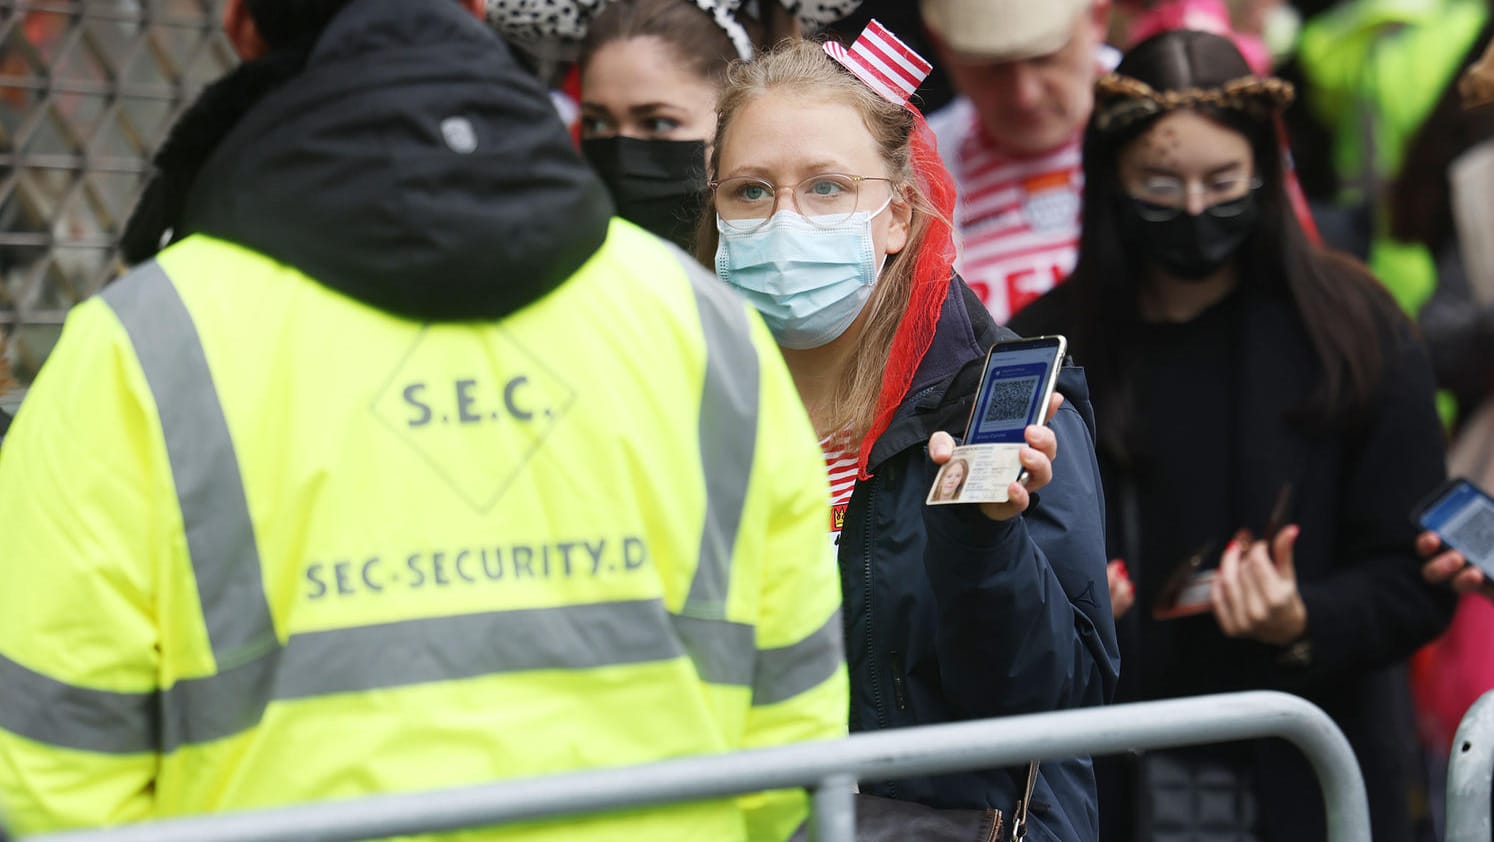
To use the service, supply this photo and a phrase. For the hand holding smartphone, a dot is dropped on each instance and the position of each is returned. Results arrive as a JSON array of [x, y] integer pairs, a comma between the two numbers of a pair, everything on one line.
[[1462, 515], [1017, 383], [1188, 589]]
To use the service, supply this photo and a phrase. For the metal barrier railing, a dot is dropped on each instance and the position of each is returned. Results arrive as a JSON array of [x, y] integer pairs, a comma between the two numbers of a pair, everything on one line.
[[1470, 774], [827, 769]]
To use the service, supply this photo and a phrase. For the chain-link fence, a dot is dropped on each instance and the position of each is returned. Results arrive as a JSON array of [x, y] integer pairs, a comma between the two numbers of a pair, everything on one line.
[[88, 89]]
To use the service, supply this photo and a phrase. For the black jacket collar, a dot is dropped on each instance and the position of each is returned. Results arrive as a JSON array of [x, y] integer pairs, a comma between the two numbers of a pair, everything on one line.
[[359, 172], [943, 386]]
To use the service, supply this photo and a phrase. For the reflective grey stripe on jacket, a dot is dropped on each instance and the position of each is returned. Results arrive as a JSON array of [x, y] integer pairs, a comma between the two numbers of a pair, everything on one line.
[[728, 431], [254, 668]]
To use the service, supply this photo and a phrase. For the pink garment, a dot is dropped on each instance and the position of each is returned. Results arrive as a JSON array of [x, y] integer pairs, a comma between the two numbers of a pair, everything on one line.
[[1450, 673], [1204, 16]]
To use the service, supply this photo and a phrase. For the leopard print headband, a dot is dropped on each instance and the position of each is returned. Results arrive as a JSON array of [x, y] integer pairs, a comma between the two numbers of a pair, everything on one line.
[[1121, 101]]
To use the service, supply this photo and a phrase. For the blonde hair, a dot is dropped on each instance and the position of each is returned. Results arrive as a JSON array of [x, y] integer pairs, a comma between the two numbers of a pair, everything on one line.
[[802, 68]]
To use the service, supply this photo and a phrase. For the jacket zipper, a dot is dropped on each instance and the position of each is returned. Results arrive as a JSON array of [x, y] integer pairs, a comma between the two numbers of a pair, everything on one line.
[[866, 567], [871, 652], [848, 625]]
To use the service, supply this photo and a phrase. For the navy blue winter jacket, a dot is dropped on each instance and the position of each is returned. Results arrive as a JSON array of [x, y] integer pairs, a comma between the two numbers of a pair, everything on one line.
[[952, 616]]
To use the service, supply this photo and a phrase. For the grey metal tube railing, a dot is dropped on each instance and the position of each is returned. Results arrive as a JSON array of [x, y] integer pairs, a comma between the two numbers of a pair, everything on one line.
[[825, 768], [1470, 774]]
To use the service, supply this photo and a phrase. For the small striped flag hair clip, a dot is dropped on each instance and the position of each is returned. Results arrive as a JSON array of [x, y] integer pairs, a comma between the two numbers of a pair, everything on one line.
[[883, 62]]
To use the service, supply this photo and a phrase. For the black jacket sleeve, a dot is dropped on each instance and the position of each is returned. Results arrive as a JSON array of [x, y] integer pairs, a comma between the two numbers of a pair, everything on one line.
[[1024, 621], [1375, 608]]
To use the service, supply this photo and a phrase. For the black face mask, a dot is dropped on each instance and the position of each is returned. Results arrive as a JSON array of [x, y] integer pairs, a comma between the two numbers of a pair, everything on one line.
[[1187, 247], [658, 185]]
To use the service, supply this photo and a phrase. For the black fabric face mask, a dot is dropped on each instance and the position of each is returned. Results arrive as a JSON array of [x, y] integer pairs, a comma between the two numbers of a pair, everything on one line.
[[658, 185], [1187, 247]]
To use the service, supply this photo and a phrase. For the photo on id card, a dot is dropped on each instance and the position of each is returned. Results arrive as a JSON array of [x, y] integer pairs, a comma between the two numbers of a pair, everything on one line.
[[1016, 384]]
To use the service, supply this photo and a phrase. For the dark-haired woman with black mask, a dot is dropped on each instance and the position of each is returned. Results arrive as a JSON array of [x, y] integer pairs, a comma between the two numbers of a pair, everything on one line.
[[651, 72], [1266, 424]]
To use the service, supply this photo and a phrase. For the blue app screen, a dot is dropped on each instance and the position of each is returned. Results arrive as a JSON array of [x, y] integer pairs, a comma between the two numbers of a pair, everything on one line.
[[1464, 518], [1008, 399]]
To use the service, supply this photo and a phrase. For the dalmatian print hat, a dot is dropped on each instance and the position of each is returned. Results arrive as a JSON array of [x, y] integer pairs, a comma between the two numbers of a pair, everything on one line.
[[557, 27]]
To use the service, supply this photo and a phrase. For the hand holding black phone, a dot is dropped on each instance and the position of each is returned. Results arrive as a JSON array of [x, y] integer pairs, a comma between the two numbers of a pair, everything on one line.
[[1016, 387], [1462, 515]]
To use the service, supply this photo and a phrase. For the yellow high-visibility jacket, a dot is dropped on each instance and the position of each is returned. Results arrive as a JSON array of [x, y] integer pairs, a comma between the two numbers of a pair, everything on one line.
[[263, 544]]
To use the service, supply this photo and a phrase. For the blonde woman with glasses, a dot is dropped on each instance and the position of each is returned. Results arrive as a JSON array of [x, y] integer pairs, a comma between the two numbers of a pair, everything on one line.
[[831, 216]]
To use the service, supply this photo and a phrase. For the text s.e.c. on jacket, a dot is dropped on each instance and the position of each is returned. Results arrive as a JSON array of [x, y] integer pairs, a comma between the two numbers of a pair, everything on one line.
[[408, 469], [952, 616]]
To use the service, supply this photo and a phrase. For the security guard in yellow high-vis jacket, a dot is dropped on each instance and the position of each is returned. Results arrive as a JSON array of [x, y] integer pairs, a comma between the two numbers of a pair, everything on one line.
[[402, 467]]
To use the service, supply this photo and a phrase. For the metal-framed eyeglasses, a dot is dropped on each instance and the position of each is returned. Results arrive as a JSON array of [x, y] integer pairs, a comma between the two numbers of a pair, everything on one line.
[[746, 203], [1164, 199]]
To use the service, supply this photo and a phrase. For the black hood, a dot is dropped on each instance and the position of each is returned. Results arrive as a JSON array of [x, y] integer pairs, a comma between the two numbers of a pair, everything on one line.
[[414, 165]]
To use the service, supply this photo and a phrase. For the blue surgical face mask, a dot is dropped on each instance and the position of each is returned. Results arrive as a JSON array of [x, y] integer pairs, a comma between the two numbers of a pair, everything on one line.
[[809, 283]]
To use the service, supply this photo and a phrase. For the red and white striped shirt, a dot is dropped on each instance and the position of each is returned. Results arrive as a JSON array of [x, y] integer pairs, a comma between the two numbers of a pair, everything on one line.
[[840, 464], [1018, 218]]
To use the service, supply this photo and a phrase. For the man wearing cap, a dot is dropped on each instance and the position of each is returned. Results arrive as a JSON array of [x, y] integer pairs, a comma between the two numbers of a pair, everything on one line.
[[1025, 71]]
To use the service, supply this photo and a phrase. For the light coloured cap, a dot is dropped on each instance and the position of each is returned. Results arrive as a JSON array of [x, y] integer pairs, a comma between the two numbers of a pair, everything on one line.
[[1003, 30]]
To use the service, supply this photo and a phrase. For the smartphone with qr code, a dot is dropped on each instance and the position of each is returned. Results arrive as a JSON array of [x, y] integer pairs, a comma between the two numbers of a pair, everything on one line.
[[1462, 514], [1015, 388], [1016, 385]]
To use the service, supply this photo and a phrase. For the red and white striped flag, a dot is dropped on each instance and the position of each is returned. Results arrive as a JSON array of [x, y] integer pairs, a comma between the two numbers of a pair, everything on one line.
[[883, 62]]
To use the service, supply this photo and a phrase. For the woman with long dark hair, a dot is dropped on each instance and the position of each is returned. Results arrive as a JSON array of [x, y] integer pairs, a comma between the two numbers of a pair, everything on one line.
[[1266, 425]]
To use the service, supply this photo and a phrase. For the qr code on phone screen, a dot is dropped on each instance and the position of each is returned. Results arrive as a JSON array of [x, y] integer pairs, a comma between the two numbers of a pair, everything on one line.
[[1009, 400], [1474, 528]]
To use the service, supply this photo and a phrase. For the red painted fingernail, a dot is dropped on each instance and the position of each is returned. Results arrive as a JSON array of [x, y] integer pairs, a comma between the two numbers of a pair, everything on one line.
[[1233, 542], [1120, 564]]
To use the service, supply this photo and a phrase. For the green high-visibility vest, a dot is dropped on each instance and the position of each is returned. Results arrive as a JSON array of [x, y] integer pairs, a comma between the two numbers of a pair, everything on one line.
[[264, 544]]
